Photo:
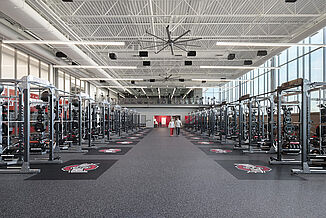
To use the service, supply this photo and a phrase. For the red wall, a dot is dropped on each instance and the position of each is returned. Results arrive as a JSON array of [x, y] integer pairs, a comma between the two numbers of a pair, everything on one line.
[[159, 120], [187, 119]]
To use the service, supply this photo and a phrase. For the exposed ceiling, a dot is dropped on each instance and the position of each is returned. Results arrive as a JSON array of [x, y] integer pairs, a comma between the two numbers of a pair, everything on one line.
[[211, 20]]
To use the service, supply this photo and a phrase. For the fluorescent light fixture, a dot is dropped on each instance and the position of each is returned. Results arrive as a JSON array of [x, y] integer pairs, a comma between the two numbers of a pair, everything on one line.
[[143, 91], [8, 47], [200, 87], [263, 44], [94, 67], [238, 67], [222, 80], [109, 79], [187, 93], [55, 42], [173, 93], [135, 97], [124, 87], [128, 91], [113, 91]]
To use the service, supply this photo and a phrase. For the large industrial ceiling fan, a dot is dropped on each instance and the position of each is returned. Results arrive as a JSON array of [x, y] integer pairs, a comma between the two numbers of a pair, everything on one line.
[[169, 42], [166, 77]]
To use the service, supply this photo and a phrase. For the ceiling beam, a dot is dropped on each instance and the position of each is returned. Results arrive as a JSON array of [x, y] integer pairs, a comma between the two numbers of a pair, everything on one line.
[[206, 37], [192, 16], [193, 24]]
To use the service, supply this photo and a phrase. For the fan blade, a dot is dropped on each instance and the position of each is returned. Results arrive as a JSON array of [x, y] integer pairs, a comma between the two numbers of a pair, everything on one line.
[[198, 46], [153, 46], [172, 51], [156, 36], [168, 32], [161, 49], [189, 40], [180, 48], [185, 33], [150, 41]]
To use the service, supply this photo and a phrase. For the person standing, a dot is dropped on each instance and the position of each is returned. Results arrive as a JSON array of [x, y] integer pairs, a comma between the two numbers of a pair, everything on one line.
[[178, 125], [171, 126]]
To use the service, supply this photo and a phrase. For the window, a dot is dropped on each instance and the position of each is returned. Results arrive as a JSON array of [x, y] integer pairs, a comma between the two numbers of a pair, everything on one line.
[[8, 62], [67, 82], [317, 66], [82, 86], [44, 71], [92, 91], [283, 76], [261, 85], [61, 80], [292, 53], [34, 67], [293, 71], [283, 57], [22, 67]]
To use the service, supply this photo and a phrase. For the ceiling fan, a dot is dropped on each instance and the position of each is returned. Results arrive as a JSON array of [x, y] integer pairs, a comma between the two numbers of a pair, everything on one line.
[[169, 42], [166, 77]]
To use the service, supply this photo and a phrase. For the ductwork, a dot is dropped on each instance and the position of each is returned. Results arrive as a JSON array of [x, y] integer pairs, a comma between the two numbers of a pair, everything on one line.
[[22, 13]]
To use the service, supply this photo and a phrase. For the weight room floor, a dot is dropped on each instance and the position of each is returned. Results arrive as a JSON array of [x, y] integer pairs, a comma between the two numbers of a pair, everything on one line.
[[163, 176]]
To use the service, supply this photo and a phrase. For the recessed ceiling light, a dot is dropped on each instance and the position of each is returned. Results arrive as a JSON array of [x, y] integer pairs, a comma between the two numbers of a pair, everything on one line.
[[261, 53], [236, 67], [267, 44], [95, 67], [111, 79], [55, 42], [247, 62], [231, 56], [112, 56]]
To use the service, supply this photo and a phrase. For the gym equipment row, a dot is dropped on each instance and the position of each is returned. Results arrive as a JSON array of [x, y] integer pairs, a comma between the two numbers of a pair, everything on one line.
[[277, 124], [39, 119]]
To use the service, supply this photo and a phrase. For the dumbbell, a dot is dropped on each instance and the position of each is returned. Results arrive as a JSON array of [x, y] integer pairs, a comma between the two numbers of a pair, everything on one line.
[[45, 96], [39, 127], [75, 102], [4, 129]]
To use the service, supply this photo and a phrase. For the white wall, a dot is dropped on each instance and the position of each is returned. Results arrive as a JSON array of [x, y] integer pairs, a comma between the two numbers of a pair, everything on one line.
[[151, 112]]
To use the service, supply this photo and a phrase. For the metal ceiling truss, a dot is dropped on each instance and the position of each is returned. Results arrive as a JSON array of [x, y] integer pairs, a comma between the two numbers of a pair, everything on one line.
[[210, 20]]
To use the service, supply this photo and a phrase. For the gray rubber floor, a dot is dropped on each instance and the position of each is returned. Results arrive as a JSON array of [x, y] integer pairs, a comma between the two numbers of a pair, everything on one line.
[[163, 176]]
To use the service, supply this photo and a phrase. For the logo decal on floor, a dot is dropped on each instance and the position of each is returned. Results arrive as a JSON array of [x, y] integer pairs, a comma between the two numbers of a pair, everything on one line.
[[124, 143], [250, 168], [196, 138], [111, 150], [205, 143], [132, 137], [80, 168], [220, 151]]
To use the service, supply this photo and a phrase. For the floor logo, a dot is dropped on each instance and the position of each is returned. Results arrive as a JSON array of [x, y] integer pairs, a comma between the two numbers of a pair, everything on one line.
[[220, 151], [250, 168], [196, 138], [132, 137], [80, 168], [124, 143], [111, 150], [205, 143]]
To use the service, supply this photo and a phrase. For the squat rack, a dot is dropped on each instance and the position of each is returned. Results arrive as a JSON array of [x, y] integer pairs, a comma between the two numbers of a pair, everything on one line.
[[303, 85], [306, 158]]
